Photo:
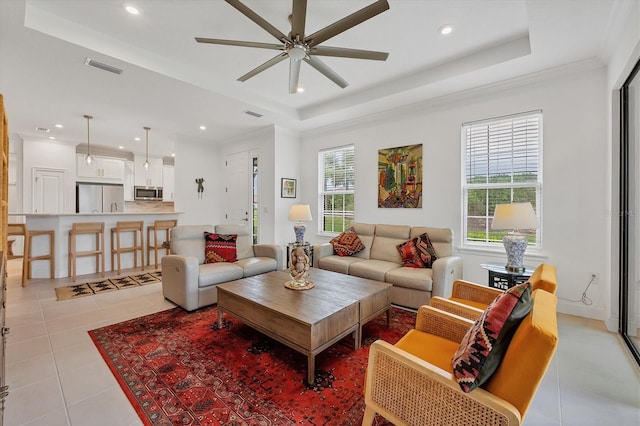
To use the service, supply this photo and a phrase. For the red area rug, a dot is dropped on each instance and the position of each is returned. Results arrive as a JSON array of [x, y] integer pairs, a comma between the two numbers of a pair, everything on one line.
[[178, 368]]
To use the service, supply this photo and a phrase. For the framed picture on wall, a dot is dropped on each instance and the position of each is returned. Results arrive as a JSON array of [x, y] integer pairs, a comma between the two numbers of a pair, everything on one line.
[[288, 188]]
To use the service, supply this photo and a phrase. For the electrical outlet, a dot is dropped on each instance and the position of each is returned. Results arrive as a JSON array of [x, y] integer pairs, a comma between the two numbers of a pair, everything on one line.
[[594, 278]]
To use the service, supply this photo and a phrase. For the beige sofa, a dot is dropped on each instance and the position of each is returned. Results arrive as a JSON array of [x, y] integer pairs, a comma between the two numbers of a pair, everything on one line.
[[190, 283], [381, 261]]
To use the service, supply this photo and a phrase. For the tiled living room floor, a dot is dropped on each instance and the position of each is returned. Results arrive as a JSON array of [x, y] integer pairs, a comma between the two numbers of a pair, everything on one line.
[[57, 377]]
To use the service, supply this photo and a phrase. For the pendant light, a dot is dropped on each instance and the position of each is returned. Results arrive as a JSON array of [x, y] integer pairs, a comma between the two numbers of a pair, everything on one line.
[[146, 159], [88, 158]]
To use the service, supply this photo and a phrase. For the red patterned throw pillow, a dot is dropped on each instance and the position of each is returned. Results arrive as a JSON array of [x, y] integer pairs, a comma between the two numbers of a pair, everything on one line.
[[486, 342], [219, 247], [347, 243], [418, 252]]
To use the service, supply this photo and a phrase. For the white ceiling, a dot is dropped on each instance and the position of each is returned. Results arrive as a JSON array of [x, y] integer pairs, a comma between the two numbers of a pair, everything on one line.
[[173, 84]]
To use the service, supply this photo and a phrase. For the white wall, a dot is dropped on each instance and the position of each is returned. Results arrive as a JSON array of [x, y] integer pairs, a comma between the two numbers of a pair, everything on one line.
[[287, 165], [196, 160], [575, 198]]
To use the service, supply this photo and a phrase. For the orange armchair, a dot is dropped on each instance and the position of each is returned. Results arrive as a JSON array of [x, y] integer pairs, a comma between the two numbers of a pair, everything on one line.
[[412, 382]]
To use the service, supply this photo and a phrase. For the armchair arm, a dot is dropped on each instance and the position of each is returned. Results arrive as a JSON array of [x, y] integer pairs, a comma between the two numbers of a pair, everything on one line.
[[445, 271], [180, 280], [270, 250], [321, 250], [409, 391], [456, 308], [475, 292], [441, 323]]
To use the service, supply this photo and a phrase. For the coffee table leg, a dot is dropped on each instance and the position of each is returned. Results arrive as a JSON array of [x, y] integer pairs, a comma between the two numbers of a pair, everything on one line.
[[219, 318], [311, 368], [358, 337]]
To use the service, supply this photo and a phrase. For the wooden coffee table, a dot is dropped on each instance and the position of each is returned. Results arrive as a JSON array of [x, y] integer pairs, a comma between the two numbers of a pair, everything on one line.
[[308, 321]]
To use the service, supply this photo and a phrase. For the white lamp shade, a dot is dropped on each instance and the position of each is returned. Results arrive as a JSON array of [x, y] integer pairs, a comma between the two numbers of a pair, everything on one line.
[[300, 212], [514, 216]]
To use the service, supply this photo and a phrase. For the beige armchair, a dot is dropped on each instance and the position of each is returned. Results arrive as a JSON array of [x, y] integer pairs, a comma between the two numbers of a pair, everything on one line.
[[412, 382]]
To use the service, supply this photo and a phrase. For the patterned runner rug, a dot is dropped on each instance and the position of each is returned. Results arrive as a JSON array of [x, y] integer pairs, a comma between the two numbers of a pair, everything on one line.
[[104, 286], [178, 368]]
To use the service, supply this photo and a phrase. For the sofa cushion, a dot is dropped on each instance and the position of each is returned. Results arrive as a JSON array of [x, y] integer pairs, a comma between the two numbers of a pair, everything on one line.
[[347, 243], [414, 278], [486, 342], [257, 265], [372, 269], [219, 247], [441, 238], [385, 242], [365, 232], [188, 240], [216, 273], [244, 242], [337, 263]]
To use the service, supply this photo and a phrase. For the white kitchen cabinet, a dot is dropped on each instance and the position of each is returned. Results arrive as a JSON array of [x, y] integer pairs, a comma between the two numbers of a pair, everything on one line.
[[151, 177], [129, 180], [101, 169], [168, 183]]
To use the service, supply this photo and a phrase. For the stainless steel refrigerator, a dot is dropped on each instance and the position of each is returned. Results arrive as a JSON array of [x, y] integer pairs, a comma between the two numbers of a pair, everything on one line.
[[99, 198]]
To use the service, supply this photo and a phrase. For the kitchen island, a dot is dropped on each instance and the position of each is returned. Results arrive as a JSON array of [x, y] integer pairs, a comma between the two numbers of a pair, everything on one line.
[[61, 225]]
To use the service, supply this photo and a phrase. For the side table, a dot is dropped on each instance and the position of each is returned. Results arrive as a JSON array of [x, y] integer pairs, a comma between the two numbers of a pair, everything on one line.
[[502, 279], [307, 247]]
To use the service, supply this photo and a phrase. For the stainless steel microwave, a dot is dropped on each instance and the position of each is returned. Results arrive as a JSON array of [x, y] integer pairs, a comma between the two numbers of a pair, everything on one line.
[[147, 193]]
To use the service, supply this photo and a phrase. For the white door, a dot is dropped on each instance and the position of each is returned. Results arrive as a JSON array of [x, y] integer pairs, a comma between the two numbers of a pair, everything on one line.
[[48, 190], [239, 190]]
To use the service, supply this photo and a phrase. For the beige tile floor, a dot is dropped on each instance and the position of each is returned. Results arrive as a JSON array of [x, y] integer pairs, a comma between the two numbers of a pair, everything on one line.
[[56, 376]]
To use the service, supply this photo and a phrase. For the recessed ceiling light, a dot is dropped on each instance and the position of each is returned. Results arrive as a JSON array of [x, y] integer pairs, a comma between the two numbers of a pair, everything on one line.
[[300, 89], [59, 126], [445, 29], [173, 154], [132, 10], [52, 137], [120, 147], [137, 139], [203, 127]]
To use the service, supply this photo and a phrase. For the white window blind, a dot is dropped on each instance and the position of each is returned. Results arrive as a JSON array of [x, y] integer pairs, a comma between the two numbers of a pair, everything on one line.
[[337, 187], [501, 165]]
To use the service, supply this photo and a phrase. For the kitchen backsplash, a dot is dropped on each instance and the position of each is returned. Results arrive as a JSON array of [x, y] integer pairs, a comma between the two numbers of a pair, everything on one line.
[[148, 206]]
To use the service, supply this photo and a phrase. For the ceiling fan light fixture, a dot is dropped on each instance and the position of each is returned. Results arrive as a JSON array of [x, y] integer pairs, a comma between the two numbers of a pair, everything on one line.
[[132, 10], [297, 51]]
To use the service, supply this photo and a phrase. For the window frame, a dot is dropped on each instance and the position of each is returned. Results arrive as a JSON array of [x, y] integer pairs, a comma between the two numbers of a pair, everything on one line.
[[322, 192], [465, 187]]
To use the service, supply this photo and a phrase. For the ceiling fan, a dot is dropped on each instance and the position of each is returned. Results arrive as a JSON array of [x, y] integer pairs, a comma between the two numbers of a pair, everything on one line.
[[298, 47]]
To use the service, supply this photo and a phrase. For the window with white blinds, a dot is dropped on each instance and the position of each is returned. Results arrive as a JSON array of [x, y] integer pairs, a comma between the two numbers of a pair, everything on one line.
[[337, 188], [502, 164]]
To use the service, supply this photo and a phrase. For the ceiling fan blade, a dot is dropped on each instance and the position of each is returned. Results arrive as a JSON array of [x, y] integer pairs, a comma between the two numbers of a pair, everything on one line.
[[349, 53], [324, 69], [294, 75], [240, 43], [298, 17], [257, 19], [271, 62], [347, 22]]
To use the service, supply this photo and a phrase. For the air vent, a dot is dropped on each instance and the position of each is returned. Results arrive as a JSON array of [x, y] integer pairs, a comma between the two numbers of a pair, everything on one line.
[[253, 114], [42, 129], [105, 67]]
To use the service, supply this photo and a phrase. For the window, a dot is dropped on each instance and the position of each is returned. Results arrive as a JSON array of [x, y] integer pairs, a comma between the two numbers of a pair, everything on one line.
[[501, 163], [337, 178]]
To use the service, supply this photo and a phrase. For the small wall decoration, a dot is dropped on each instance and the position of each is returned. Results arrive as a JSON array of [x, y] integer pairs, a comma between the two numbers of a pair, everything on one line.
[[200, 181], [288, 188], [400, 177]]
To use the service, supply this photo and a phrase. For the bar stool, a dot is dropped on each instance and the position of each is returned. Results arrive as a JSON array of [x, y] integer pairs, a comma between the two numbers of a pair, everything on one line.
[[137, 227], [20, 229], [95, 228], [159, 225]]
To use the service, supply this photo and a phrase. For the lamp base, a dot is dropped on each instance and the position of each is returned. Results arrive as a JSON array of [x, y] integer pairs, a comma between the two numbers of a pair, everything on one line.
[[515, 245], [299, 229]]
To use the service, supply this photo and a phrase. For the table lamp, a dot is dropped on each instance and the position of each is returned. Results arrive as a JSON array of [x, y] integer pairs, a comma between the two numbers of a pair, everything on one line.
[[300, 213], [514, 217]]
